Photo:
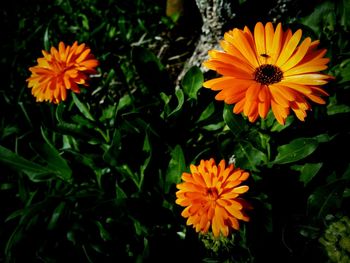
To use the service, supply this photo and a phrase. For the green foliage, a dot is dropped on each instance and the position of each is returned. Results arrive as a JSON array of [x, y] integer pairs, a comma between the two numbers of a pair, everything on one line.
[[336, 240], [192, 82], [93, 179]]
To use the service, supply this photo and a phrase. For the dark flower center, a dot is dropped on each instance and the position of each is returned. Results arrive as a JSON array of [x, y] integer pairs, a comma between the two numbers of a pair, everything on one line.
[[268, 74], [212, 193]]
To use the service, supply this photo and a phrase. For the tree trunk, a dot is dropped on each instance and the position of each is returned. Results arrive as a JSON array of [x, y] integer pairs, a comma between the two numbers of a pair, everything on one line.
[[214, 13]]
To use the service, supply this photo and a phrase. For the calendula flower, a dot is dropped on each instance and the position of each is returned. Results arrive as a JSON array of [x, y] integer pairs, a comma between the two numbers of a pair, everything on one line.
[[210, 195], [61, 70], [268, 69]]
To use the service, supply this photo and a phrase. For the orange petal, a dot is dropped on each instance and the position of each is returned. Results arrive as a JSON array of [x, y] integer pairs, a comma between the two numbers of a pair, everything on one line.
[[259, 37], [308, 79], [238, 108], [269, 35], [276, 44], [276, 93], [289, 48], [298, 56], [241, 189]]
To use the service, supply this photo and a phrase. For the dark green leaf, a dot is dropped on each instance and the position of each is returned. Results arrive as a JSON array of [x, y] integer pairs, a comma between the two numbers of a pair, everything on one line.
[[108, 113], [120, 194], [235, 122], [214, 126], [104, 234], [344, 71], [175, 168], [336, 109], [276, 127], [295, 150], [85, 21], [124, 102], [82, 107], [57, 213], [192, 82], [34, 171], [344, 7], [47, 44], [322, 18], [326, 198], [307, 171], [113, 150], [248, 157], [207, 112], [55, 160], [180, 101]]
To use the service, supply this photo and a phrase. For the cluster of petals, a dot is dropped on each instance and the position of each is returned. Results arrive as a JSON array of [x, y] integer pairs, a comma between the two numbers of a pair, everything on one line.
[[210, 195], [60, 70], [268, 69]]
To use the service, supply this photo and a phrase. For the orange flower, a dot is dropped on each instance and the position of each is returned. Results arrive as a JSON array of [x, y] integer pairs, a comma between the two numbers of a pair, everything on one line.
[[61, 70], [210, 194], [268, 69]]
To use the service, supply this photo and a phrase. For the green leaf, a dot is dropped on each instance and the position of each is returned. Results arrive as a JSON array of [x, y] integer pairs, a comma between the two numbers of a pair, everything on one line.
[[59, 112], [324, 137], [326, 198], [276, 127], [214, 126], [56, 215], [166, 99], [84, 21], [344, 7], [248, 157], [120, 194], [146, 144], [139, 228], [336, 109], [82, 107], [307, 171], [180, 101], [346, 174], [54, 159], [322, 18], [124, 102], [192, 82], [295, 150], [207, 112], [344, 71], [35, 172], [47, 44], [128, 173], [104, 234], [113, 150], [147, 148], [108, 113], [175, 168], [235, 122]]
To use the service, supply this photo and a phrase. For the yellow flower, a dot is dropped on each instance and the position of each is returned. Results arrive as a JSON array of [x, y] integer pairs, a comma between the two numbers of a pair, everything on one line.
[[268, 69], [61, 70], [210, 195]]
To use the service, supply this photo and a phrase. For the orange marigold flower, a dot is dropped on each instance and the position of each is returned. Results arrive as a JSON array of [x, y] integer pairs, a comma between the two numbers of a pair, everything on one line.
[[268, 69], [210, 194], [61, 70]]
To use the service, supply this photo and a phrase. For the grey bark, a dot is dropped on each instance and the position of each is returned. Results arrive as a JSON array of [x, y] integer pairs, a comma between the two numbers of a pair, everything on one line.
[[214, 13]]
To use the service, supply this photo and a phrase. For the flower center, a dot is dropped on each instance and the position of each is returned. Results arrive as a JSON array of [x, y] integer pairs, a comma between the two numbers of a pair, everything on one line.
[[212, 193], [268, 74]]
